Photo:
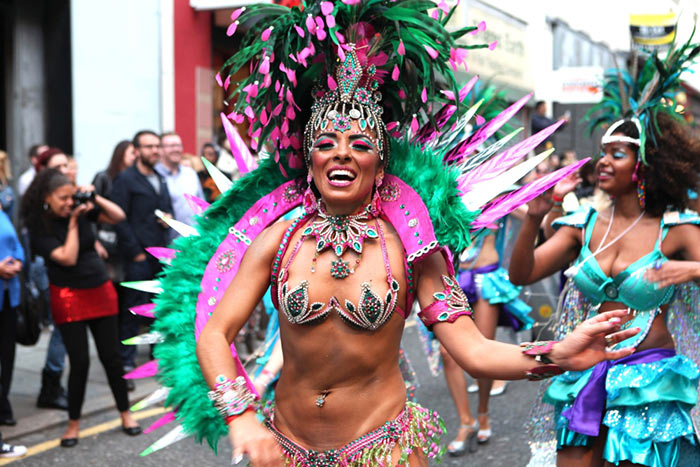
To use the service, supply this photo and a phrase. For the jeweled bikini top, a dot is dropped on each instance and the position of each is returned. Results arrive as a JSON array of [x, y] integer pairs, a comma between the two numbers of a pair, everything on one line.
[[371, 312]]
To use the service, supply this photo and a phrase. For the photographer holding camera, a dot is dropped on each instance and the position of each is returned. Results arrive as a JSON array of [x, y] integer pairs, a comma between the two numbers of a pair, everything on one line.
[[58, 216]]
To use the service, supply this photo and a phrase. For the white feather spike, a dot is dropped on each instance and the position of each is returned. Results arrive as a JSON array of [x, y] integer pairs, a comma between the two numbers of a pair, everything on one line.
[[152, 286], [173, 436], [223, 183], [179, 227], [485, 191]]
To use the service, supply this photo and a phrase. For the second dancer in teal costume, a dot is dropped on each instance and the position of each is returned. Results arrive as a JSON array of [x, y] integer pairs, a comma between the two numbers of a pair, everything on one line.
[[633, 255]]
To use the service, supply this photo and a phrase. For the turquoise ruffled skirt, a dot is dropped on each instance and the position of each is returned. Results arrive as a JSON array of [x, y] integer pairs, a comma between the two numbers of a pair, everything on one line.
[[647, 410], [498, 290]]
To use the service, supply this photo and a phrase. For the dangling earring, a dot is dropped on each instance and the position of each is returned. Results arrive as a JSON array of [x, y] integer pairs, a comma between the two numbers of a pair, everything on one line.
[[46, 207], [309, 199], [641, 192], [641, 188]]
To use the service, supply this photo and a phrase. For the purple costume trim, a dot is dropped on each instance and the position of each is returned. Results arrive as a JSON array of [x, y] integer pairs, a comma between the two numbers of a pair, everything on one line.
[[586, 414], [468, 284]]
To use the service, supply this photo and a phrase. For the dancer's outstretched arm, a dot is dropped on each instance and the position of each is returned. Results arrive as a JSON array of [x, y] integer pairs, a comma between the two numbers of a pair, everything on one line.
[[481, 357]]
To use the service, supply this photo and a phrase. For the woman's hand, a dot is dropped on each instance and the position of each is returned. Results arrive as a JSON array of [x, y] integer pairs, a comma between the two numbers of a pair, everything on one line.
[[673, 273], [540, 206], [9, 268], [249, 437], [81, 209], [588, 344], [566, 185], [86, 188]]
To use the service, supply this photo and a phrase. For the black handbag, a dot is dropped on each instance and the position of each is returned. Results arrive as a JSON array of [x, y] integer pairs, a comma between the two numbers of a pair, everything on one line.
[[28, 327]]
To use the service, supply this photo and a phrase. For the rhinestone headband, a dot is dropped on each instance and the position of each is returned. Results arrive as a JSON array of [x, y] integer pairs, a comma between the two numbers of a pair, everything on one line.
[[355, 98]]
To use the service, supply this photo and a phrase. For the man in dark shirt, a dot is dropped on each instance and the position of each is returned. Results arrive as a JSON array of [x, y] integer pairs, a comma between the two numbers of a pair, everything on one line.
[[540, 121], [139, 191]]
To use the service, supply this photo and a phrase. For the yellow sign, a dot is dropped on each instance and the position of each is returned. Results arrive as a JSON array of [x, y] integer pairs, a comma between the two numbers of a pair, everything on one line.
[[653, 31]]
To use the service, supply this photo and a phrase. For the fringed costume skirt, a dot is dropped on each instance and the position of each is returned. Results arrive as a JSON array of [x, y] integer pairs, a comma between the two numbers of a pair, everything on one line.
[[643, 400]]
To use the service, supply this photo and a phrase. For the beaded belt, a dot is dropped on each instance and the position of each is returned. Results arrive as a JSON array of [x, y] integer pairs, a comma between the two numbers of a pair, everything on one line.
[[389, 432]]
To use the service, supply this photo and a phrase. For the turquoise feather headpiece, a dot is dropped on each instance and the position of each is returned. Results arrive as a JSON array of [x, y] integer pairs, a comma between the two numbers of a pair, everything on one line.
[[639, 94]]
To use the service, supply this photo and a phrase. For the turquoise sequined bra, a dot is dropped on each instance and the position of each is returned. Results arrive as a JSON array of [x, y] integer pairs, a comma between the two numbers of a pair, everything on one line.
[[629, 286]]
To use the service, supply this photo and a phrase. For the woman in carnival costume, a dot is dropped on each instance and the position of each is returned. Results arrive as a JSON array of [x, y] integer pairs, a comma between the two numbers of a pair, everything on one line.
[[382, 210], [634, 254]]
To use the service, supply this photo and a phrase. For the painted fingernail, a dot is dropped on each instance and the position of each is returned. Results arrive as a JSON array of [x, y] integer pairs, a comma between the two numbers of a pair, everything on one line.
[[657, 264], [236, 459]]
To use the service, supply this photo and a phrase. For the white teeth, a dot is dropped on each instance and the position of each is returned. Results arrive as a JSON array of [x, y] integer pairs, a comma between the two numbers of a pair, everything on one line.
[[341, 173]]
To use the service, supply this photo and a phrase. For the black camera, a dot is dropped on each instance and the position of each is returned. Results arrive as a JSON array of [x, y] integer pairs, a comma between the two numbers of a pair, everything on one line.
[[82, 197]]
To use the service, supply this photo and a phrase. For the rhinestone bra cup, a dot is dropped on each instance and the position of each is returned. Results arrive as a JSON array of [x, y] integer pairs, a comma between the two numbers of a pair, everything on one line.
[[371, 311]]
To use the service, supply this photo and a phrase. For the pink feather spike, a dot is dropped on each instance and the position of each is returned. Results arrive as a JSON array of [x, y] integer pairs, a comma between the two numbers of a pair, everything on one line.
[[502, 162], [147, 310], [198, 205], [162, 421], [486, 131], [432, 52], [401, 50], [162, 254], [508, 203], [144, 371], [244, 160], [327, 8]]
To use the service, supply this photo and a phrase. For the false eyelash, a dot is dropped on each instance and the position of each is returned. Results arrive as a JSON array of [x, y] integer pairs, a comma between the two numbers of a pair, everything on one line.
[[325, 143]]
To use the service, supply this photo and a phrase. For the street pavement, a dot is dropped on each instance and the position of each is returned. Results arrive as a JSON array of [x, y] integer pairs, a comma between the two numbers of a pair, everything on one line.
[[102, 443]]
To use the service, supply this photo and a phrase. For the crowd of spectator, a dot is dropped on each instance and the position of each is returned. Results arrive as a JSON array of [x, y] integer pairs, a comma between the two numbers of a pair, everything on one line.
[[74, 245]]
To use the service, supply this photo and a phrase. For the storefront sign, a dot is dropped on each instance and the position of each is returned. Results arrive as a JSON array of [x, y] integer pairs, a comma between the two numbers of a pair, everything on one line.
[[577, 85]]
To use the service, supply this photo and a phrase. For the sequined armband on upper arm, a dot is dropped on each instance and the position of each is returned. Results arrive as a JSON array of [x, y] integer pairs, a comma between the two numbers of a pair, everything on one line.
[[449, 304]]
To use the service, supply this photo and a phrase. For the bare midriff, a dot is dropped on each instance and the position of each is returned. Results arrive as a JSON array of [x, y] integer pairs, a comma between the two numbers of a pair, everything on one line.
[[658, 337], [354, 372]]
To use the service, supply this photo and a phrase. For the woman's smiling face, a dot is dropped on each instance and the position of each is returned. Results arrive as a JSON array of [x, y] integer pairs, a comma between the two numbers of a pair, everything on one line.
[[344, 166], [616, 167]]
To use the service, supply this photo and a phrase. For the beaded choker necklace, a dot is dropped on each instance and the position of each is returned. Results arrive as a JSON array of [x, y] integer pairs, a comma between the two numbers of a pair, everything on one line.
[[340, 233]]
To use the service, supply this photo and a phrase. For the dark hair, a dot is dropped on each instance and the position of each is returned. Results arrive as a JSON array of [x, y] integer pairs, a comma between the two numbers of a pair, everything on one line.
[[673, 156], [34, 150], [538, 104], [137, 137], [209, 145], [32, 209], [44, 158], [116, 163]]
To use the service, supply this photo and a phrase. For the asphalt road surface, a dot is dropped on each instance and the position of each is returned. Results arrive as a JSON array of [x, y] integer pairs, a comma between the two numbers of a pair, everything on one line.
[[108, 446]]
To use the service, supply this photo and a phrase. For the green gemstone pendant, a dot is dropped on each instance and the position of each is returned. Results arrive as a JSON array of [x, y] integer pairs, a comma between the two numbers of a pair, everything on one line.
[[340, 269]]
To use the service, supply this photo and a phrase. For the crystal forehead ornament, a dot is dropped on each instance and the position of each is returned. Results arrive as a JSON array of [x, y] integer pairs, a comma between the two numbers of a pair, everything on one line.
[[355, 99]]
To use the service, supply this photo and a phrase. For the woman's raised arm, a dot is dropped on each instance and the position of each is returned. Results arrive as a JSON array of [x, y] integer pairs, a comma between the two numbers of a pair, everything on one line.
[[527, 264]]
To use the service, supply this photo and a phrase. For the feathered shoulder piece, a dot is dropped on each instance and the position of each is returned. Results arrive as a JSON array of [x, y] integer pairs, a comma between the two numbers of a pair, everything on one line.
[[641, 92]]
